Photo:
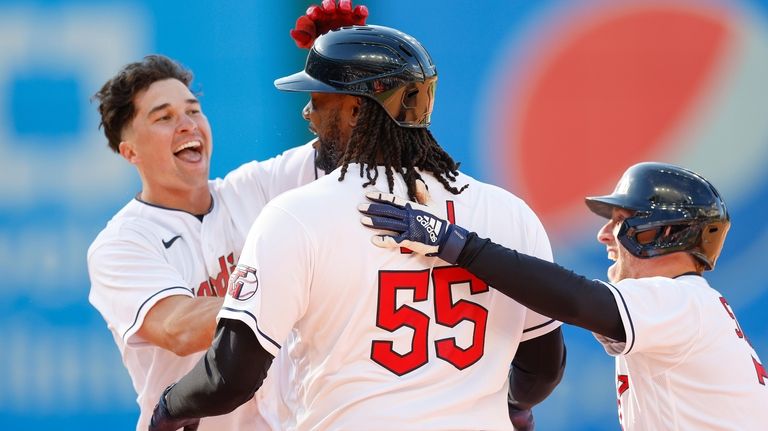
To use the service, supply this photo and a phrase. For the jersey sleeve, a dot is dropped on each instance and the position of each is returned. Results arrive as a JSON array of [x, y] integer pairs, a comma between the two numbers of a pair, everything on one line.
[[291, 169], [128, 277], [538, 246], [659, 319], [261, 181], [269, 290]]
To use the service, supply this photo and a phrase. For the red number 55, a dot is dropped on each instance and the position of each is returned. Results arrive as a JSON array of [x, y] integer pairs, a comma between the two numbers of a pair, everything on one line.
[[447, 313]]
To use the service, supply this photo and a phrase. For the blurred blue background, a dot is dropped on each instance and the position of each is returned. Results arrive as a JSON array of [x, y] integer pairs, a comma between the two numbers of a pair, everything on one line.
[[549, 99]]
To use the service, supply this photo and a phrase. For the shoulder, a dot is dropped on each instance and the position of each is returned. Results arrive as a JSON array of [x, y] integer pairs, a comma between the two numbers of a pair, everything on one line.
[[309, 195], [130, 227], [302, 152], [486, 192], [268, 178], [296, 157], [503, 206], [662, 290]]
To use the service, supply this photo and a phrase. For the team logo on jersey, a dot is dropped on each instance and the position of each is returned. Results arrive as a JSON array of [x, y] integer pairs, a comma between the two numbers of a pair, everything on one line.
[[243, 284]]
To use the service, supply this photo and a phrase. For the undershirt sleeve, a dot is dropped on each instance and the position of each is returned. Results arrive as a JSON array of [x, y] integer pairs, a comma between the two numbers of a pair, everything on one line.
[[544, 287], [229, 374]]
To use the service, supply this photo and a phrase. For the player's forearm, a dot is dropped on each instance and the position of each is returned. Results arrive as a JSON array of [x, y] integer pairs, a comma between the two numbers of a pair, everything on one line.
[[228, 375], [191, 326], [544, 287]]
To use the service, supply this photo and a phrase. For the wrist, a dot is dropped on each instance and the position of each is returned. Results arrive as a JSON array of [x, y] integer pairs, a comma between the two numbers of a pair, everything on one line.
[[456, 239]]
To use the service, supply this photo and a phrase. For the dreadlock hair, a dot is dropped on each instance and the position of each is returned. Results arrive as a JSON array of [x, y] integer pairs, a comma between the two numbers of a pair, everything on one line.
[[379, 140]]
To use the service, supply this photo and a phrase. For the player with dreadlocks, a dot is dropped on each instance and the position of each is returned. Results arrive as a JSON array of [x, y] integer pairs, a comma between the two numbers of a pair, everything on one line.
[[371, 332], [377, 140]]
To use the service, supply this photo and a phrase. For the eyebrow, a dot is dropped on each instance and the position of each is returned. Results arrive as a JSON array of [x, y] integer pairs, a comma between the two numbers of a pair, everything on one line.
[[190, 101]]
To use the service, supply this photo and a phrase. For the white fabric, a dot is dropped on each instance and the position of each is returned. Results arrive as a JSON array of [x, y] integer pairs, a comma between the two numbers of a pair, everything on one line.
[[132, 266], [683, 366], [317, 282]]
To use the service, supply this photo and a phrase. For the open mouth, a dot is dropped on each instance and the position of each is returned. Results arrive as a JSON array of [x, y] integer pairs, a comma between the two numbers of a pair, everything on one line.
[[190, 151]]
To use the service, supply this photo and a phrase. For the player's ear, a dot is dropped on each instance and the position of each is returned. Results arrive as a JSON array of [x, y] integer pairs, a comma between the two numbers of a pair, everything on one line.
[[357, 103], [127, 151]]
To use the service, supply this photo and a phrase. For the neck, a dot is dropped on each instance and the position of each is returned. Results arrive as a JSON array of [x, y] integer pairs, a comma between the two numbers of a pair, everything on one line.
[[671, 265], [197, 201]]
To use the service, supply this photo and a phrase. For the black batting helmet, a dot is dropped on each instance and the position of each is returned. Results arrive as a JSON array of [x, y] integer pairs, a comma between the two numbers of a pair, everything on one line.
[[674, 210], [382, 63]]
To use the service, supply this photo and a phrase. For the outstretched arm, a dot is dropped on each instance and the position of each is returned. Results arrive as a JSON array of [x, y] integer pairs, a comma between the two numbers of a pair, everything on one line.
[[542, 286]]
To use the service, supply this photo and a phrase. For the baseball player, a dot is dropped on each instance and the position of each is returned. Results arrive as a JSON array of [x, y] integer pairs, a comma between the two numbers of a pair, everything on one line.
[[682, 360], [379, 340], [160, 268]]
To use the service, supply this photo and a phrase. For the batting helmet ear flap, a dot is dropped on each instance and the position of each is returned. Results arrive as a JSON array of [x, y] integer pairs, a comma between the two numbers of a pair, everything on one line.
[[674, 210]]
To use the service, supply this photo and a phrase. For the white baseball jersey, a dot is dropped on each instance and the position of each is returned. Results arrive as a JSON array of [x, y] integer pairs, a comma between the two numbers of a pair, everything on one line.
[[686, 364], [147, 253], [385, 339]]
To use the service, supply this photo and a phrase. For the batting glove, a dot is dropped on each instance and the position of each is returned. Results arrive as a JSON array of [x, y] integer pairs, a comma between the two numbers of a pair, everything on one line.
[[162, 419], [522, 420], [324, 18], [413, 225]]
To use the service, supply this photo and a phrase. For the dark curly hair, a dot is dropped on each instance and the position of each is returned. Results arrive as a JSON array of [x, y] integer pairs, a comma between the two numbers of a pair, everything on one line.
[[378, 140], [116, 95]]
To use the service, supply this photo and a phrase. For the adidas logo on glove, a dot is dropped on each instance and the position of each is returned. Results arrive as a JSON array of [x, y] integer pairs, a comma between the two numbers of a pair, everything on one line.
[[431, 225]]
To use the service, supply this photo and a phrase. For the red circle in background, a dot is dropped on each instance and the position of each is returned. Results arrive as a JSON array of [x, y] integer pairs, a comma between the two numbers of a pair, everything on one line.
[[600, 95]]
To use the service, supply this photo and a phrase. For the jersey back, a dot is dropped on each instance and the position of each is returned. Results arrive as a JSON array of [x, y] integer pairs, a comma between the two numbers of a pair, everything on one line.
[[381, 336]]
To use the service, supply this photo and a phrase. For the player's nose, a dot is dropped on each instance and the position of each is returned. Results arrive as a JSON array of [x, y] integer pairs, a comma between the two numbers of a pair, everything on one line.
[[605, 233], [305, 111], [186, 123]]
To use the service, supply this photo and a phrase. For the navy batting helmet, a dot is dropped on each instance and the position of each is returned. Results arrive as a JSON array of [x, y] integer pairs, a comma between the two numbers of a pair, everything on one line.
[[382, 63], [674, 210]]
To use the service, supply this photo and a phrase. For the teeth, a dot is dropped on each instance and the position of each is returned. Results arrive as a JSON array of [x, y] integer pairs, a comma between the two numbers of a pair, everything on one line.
[[190, 144]]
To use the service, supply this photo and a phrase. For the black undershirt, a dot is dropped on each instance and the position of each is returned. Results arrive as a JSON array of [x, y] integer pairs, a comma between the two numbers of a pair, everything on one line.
[[231, 371], [544, 287]]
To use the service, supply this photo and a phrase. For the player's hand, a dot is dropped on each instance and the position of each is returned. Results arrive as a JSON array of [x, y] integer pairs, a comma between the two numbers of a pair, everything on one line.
[[413, 226], [163, 421], [324, 18], [522, 420]]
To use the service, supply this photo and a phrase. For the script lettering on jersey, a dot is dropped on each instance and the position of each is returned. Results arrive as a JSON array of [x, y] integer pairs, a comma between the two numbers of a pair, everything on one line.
[[218, 286], [762, 375], [622, 385]]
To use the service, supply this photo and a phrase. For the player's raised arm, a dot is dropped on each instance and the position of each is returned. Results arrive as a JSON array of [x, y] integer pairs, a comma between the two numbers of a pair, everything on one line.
[[658, 316], [542, 286]]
